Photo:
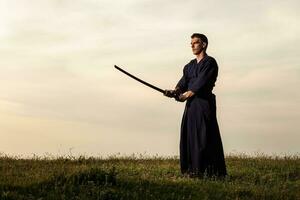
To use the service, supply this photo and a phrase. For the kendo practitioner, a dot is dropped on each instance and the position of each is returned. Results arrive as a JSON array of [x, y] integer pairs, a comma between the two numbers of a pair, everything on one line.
[[201, 149]]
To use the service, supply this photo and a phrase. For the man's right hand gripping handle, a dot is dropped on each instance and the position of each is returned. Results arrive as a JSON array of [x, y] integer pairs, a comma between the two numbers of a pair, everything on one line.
[[172, 93]]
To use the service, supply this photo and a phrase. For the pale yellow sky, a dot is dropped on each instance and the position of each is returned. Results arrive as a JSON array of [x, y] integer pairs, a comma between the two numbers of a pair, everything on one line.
[[60, 92]]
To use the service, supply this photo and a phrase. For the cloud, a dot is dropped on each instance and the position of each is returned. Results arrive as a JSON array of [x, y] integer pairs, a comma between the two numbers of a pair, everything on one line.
[[57, 63]]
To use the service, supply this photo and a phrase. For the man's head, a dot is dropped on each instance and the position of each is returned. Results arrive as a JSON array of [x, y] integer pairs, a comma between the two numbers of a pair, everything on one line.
[[199, 43]]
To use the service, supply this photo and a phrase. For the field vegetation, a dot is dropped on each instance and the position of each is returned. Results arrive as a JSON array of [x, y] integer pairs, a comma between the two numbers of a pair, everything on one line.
[[142, 177]]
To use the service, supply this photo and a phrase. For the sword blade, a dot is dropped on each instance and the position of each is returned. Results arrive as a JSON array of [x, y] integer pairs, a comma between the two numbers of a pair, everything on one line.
[[141, 81]]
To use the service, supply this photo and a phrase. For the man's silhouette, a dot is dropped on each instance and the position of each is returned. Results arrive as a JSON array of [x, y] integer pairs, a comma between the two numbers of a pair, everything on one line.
[[201, 149]]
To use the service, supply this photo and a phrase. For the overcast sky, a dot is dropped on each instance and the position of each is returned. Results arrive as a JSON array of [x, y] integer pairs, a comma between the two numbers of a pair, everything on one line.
[[59, 92]]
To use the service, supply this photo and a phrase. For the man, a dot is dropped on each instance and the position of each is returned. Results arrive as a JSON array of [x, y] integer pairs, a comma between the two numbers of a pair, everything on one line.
[[201, 149]]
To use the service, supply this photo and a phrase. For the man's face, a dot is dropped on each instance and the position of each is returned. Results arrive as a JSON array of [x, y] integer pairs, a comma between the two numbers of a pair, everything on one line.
[[197, 45]]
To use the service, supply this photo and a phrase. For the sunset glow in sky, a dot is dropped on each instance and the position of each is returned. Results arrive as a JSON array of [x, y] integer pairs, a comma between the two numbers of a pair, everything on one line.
[[60, 93]]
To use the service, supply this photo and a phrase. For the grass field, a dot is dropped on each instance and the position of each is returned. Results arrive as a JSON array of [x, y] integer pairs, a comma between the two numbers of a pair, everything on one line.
[[138, 177]]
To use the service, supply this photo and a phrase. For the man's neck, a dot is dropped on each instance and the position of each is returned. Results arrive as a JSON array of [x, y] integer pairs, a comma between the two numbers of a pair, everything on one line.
[[200, 56]]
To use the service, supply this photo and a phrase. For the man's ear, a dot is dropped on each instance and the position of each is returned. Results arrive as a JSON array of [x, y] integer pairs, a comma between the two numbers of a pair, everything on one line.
[[204, 45]]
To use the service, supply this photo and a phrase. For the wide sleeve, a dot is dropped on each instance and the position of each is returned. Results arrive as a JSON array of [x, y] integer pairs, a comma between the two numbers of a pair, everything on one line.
[[182, 83], [206, 77]]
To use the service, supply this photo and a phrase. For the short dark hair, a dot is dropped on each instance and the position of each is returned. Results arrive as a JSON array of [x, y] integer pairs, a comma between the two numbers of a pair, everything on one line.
[[202, 37]]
